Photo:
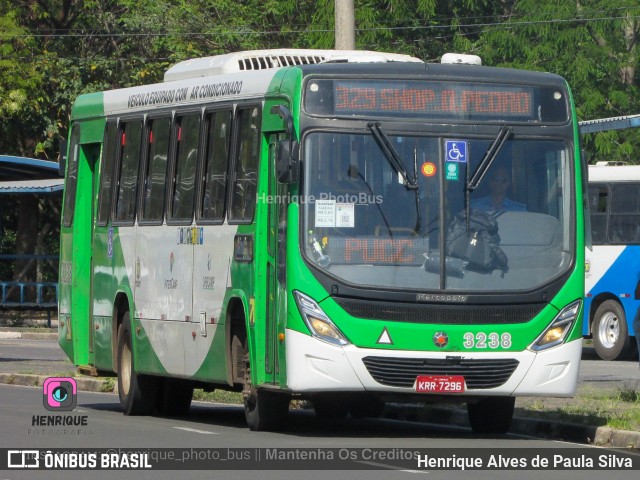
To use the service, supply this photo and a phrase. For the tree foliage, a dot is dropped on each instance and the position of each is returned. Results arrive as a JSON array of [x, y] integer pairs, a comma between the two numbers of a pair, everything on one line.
[[593, 44], [53, 50]]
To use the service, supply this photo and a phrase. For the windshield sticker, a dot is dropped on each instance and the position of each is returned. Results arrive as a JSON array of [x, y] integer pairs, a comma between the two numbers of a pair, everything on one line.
[[452, 171], [345, 215], [456, 150], [428, 169], [325, 213]]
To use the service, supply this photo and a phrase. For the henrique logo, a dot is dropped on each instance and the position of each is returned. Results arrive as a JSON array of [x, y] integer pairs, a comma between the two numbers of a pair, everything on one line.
[[60, 394]]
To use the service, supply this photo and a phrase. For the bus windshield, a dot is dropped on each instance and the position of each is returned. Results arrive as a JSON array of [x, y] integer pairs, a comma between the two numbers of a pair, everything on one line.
[[411, 222]]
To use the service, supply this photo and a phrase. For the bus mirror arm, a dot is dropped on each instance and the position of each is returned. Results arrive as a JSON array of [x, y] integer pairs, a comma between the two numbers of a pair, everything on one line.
[[287, 153]]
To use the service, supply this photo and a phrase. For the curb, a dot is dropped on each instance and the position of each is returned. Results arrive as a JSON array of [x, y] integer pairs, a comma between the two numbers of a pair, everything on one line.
[[28, 335], [84, 384], [589, 434]]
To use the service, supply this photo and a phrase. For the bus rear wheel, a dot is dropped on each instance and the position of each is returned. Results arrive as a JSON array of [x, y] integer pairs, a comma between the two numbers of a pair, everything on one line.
[[491, 415], [610, 333], [137, 392]]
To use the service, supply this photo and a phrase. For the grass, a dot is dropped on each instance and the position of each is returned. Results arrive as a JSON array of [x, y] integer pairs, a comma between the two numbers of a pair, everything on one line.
[[218, 396], [616, 409]]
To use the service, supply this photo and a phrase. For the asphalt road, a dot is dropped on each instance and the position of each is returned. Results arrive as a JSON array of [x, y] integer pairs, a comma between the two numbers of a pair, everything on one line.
[[218, 426]]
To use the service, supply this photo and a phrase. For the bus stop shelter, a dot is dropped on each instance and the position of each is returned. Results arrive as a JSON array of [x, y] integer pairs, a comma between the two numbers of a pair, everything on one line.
[[31, 196]]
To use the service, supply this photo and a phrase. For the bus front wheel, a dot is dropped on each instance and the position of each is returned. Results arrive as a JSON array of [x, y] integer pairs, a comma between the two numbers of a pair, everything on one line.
[[263, 409], [137, 392], [491, 415], [610, 333]]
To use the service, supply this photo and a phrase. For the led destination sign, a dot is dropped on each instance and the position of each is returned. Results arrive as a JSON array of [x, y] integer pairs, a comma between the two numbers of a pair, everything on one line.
[[443, 100]]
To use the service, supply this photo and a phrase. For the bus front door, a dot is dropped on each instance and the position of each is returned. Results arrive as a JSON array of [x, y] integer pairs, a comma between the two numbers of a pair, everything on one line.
[[275, 303]]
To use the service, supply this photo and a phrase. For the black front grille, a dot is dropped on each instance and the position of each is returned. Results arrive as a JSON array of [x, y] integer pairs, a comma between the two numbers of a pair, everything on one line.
[[441, 314], [402, 372]]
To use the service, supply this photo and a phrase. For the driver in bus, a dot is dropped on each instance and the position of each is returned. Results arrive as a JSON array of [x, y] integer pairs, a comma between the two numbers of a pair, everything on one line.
[[497, 200]]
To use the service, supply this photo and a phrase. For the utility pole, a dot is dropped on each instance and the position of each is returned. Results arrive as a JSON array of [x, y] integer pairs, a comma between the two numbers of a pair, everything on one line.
[[345, 25]]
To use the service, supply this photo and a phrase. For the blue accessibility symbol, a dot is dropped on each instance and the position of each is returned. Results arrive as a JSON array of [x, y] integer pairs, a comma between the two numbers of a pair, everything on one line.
[[456, 150]]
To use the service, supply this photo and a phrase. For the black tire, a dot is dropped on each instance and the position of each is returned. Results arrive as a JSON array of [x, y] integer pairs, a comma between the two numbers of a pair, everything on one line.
[[491, 415], [137, 392], [264, 410], [610, 333], [174, 397], [331, 405]]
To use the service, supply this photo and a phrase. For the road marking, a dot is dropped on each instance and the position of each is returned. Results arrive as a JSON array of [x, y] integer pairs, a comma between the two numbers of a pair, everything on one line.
[[204, 432], [392, 467]]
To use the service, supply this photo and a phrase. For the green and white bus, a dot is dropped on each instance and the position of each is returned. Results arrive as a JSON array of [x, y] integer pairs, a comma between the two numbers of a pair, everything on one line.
[[309, 224]]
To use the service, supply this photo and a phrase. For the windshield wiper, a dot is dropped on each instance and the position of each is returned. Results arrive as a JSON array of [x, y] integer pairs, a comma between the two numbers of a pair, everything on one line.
[[487, 160], [489, 156], [392, 155]]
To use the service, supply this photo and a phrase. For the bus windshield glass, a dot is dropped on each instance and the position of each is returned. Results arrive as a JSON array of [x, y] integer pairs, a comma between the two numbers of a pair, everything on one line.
[[364, 226]]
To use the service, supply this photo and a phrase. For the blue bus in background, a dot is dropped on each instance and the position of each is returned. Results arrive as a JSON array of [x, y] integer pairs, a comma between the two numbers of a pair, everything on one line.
[[612, 280]]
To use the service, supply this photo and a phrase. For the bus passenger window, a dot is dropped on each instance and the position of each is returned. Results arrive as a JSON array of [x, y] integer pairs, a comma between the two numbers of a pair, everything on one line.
[[156, 169], [128, 181], [245, 178], [598, 199], [212, 202], [109, 154], [187, 139], [624, 221]]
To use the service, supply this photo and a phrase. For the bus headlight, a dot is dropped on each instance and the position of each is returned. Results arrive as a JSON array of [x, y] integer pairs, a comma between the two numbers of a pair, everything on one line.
[[318, 322], [557, 330]]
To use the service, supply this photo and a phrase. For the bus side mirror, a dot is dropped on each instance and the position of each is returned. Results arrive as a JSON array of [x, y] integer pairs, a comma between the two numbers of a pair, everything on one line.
[[288, 150], [288, 161], [62, 158]]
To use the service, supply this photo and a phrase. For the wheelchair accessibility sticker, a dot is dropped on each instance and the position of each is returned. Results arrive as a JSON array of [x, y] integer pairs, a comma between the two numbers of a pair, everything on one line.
[[456, 150]]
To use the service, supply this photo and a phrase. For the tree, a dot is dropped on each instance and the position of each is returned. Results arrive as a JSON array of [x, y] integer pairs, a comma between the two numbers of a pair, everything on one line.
[[592, 44], [20, 85]]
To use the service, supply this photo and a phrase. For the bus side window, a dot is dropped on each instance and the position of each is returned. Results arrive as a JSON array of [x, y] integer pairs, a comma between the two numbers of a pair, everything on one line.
[[131, 137], [624, 223], [186, 160], [598, 199], [245, 169], [212, 202], [109, 153], [155, 176]]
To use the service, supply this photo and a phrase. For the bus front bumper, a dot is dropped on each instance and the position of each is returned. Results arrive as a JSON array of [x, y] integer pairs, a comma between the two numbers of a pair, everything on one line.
[[316, 366]]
